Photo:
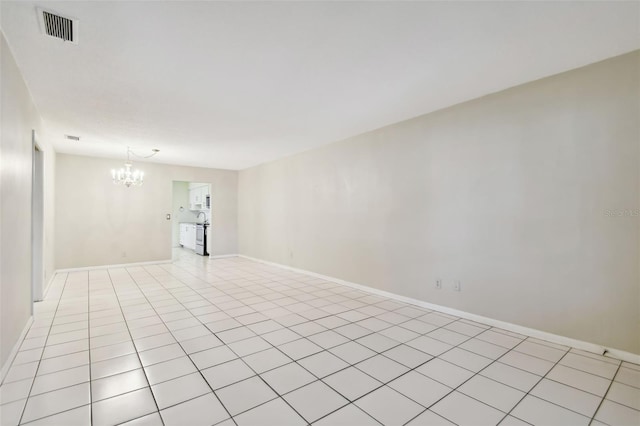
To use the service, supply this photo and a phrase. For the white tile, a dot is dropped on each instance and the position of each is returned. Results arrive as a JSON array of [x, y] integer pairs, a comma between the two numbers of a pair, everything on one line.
[[14, 391], [541, 351], [382, 368], [613, 413], [202, 411], [161, 354], [60, 379], [57, 401], [249, 346], [465, 328], [280, 337], [315, 400], [511, 376], [328, 339], [448, 336], [579, 379], [245, 395], [51, 351], [110, 386], [21, 372], [538, 412], [308, 328], [123, 407], [419, 388], [483, 348], [418, 326], [567, 397], [112, 351], [30, 355], [625, 395], [227, 373], [287, 378], [154, 341], [299, 348], [200, 343], [178, 390], [389, 407], [266, 360], [211, 357], [191, 333], [430, 418], [377, 342], [428, 345], [352, 331], [109, 339], [466, 359], [590, 365], [152, 419], [407, 356], [492, 393], [275, 412], [445, 372], [235, 334], [527, 362], [322, 364], [628, 376], [168, 370], [349, 415], [113, 366], [499, 339], [352, 352], [462, 410], [11, 412], [352, 383], [80, 416]]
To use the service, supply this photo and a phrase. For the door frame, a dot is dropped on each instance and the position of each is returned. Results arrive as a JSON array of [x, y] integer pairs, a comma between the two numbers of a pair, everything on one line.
[[37, 220]]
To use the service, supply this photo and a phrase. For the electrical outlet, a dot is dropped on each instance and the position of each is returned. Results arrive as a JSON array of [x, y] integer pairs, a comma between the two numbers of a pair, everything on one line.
[[439, 284], [457, 286]]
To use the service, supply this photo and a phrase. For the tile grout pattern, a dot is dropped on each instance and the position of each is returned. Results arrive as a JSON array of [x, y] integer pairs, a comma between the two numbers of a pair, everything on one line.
[[232, 341]]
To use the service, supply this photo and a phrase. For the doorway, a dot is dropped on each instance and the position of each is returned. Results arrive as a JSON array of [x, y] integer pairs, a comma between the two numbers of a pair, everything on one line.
[[37, 221]]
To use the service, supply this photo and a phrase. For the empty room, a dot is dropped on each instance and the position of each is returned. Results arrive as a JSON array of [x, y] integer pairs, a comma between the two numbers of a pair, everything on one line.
[[282, 213]]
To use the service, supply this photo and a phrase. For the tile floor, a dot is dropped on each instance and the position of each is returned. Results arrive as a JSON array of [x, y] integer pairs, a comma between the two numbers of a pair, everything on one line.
[[232, 341]]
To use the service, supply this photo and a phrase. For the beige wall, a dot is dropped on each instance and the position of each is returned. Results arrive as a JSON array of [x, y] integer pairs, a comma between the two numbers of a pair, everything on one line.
[[18, 117], [99, 223], [507, 193]]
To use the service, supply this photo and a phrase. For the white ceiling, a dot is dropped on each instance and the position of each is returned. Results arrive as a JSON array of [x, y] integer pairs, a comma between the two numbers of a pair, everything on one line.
[[234, 84]]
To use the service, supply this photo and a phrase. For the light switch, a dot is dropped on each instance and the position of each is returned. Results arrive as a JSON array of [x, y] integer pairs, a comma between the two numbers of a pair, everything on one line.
[[168, 216]]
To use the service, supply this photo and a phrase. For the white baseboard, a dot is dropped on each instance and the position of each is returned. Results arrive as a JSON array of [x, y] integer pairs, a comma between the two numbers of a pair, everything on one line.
[[14, 351], [119, 265], [223, 256], [48, 286], [542, 335]]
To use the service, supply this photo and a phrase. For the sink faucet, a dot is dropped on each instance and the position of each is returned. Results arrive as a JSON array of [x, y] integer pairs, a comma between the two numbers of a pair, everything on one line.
[[205, 216]]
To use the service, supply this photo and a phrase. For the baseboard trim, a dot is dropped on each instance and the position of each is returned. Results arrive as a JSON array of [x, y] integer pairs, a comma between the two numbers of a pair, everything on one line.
[[119, 265], [538, 334], [46, 289], [223, 256], [14, 351]]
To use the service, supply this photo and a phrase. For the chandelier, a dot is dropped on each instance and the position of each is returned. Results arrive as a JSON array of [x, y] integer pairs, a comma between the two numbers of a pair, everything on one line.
[[127, 177]]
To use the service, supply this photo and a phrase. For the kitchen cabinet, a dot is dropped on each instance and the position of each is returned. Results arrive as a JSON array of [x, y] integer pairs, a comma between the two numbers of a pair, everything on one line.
[[188, 235], [198, 193]]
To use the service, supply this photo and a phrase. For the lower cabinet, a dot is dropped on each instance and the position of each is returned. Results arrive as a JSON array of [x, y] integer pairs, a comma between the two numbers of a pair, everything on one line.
[[188, 235]]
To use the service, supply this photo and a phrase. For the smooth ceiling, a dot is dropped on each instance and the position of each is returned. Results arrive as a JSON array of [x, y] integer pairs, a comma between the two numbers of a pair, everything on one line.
[[234, 84]]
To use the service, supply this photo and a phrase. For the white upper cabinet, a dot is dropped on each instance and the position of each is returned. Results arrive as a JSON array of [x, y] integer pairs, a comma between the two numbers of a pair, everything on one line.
[[198, 193]]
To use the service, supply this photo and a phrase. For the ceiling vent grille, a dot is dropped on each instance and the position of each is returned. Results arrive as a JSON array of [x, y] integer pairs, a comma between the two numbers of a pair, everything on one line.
[[59, 27]]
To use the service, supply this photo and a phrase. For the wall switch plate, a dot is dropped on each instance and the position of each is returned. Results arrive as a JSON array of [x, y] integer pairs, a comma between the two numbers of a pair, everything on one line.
[[457, 286], [439, 284]]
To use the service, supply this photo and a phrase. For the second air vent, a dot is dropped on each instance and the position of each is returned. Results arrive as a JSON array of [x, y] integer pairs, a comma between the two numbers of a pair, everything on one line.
[[58, 26]]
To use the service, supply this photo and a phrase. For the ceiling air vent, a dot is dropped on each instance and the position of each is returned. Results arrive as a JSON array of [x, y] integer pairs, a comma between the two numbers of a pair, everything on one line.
[[72, 138], [59, 27]]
